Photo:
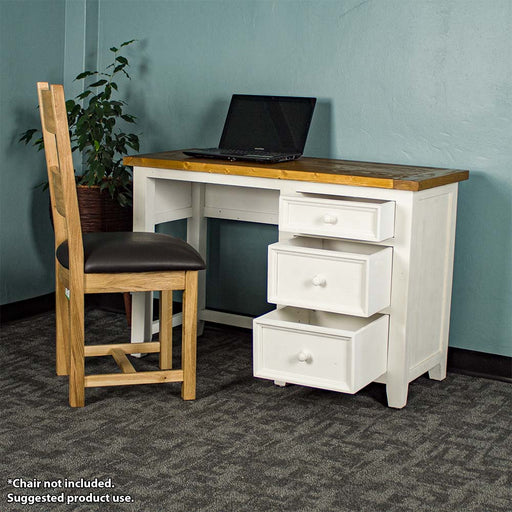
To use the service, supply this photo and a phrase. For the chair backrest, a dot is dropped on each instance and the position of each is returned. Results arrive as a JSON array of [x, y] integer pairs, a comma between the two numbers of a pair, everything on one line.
[[61, 175]]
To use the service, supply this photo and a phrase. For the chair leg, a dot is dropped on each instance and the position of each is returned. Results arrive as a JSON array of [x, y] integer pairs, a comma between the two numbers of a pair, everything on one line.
[[189, 336], [166, 329], [77, 350], [127, 299], [62, 328]]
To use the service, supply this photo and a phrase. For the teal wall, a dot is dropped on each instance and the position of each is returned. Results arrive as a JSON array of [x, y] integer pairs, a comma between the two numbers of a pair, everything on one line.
[[29, 52], [425, 82]]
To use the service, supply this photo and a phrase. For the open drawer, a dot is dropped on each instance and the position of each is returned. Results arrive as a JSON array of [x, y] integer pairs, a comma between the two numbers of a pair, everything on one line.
[[318, 349], [369, 220], [331, 275]]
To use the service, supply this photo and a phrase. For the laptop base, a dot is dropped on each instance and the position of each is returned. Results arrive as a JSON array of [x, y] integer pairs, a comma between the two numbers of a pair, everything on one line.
[[244, 157]]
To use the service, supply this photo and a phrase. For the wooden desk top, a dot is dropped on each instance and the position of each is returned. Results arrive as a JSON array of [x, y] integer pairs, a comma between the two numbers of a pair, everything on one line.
[[319, 170]]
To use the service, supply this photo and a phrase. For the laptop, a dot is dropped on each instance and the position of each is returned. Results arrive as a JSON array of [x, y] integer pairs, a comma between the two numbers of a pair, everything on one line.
[[266, 129]]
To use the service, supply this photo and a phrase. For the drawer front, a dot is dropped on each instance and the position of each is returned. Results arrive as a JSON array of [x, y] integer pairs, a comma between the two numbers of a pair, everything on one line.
[[339, 282], [312, 355], [359, 219]]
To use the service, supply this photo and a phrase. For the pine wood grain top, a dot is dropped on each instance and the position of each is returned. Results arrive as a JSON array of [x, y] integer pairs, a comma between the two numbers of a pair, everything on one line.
[[319, 170]]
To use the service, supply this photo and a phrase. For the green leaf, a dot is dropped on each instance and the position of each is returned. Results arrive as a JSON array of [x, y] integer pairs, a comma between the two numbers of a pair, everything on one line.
[[27, 136], [114, 49], [84, 94], [122, 60], [134, 144], [85, 74], [99, 83], [126, 43]]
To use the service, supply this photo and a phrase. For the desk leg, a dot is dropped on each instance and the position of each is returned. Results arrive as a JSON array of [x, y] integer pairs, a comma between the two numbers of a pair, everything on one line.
[[143, 220], [142, 317], [397, 389], [196, 237], [438, 372], [397, 376]]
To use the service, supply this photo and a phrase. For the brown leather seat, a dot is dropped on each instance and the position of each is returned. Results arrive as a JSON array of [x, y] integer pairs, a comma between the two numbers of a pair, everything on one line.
[[133, 252]]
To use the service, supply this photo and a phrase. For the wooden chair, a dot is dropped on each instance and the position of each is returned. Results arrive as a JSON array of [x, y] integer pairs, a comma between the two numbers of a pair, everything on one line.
[[111, 263]]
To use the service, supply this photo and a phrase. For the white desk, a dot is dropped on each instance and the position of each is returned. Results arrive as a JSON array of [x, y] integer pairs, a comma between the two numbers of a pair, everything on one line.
[[409, 235]]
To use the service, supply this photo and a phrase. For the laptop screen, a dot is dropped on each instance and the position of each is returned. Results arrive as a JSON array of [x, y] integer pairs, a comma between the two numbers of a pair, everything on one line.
[[268, 123]]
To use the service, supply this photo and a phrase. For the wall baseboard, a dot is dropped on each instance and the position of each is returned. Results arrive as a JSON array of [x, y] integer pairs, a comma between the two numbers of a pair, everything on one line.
[[112, 302], [26, 308], [467, 362], [480, 364]]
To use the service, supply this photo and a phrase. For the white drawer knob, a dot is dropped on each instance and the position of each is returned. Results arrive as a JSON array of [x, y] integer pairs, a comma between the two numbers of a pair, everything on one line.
[[304, 357], [330, 219], [319, 280]]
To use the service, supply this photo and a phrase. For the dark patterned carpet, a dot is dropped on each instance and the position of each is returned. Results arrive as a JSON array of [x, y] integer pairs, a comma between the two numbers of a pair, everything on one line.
[[244, 444]]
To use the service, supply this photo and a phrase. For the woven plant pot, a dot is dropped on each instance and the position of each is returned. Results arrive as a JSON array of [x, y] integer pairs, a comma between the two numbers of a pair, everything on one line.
[[99, 212]]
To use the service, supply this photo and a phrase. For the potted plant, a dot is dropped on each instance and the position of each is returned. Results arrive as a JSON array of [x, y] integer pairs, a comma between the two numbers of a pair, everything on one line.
[[105, 185]]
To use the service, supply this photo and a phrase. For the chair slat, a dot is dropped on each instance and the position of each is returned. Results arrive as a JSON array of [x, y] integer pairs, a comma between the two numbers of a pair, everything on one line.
[[149, 347], [122, 361], [134, 282], [60, 205], [48, 112], [127, 379]]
